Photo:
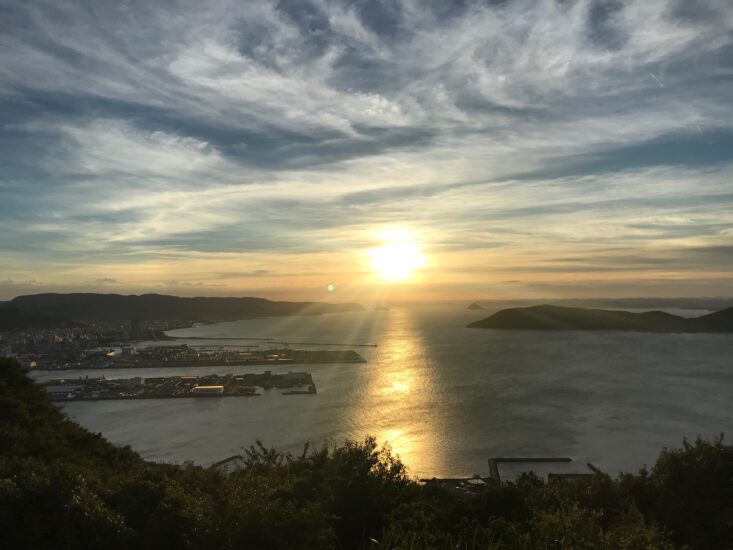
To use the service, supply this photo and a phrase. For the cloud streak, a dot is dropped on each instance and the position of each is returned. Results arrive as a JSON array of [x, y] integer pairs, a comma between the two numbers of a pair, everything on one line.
[[272, 138]]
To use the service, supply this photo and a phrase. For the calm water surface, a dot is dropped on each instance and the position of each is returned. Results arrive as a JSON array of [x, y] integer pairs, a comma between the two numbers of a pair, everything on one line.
[[445, 397]]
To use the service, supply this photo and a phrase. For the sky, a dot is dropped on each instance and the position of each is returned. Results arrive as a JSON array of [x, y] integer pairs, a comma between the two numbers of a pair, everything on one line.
[[530, 149]]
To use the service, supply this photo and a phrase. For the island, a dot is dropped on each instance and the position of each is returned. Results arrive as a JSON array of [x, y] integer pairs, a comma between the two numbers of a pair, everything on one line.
[[548, 317], [475, 306]]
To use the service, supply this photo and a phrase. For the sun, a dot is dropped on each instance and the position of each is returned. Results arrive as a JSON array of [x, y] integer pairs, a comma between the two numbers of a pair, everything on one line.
[[398, 258]]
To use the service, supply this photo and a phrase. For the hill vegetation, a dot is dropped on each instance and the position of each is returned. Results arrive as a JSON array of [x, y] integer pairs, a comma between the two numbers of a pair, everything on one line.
[[151, 307], [546, 317], [63, 487], [14, 319]]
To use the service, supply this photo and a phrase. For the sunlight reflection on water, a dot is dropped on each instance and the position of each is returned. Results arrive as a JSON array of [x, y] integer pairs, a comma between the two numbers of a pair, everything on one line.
[[404, 377]]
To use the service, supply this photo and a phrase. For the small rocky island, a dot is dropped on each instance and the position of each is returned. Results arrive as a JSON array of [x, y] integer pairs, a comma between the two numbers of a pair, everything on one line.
[[547, 317], [475, 306]]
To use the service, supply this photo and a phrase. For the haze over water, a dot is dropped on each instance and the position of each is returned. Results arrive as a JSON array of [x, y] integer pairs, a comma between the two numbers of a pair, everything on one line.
[[445, 397]]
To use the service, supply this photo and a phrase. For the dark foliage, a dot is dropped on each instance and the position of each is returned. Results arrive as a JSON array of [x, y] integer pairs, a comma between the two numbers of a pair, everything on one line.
[[62, 487]]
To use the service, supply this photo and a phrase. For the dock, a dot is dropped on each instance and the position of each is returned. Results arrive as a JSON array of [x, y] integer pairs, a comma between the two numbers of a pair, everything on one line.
[[469, 487], [545, 462], [273, 341]]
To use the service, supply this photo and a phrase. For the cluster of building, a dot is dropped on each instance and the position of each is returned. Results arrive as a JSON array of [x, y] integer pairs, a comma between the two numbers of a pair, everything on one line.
[[548, 469], [195, 355], [108, 344], [213, 385], [170, 355], [78, 347], [56, 352]]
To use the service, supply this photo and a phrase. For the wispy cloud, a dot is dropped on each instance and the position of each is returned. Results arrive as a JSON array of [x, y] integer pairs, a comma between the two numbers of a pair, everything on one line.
[[271, 138]]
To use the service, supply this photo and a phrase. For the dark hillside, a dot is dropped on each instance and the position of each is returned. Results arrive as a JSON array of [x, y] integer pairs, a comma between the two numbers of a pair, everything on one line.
[[63, 487], [148, 307], [719, 321], [14, 319]]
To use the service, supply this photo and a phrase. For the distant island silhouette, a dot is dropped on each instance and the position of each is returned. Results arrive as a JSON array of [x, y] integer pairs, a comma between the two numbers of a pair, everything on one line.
[[475, 306], [59, 308], [548, 317]]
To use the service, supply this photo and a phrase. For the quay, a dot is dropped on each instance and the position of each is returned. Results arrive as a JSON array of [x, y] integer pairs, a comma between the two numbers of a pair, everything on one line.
[[472, 486], [273, 341], [188, 386]]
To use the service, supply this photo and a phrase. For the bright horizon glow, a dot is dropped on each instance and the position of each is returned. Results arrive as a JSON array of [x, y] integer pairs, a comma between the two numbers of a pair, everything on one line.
[[398, 258]]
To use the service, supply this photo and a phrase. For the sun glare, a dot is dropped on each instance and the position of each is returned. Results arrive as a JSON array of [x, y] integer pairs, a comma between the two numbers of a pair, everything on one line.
[[398, 258]]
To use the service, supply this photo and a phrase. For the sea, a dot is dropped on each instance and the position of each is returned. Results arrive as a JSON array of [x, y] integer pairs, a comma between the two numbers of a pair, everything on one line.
[[444, 397]]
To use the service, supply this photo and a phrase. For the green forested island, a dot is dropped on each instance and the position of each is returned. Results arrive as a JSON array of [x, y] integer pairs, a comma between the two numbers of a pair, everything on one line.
[[64, 487], [547, 317]]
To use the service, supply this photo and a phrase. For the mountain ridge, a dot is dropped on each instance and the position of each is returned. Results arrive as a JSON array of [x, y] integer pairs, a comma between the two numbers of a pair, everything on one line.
[[553, 318]]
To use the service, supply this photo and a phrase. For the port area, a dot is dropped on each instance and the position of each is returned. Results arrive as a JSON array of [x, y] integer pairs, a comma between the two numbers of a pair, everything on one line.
[[547, 469], [186, 355], [228, 385]]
